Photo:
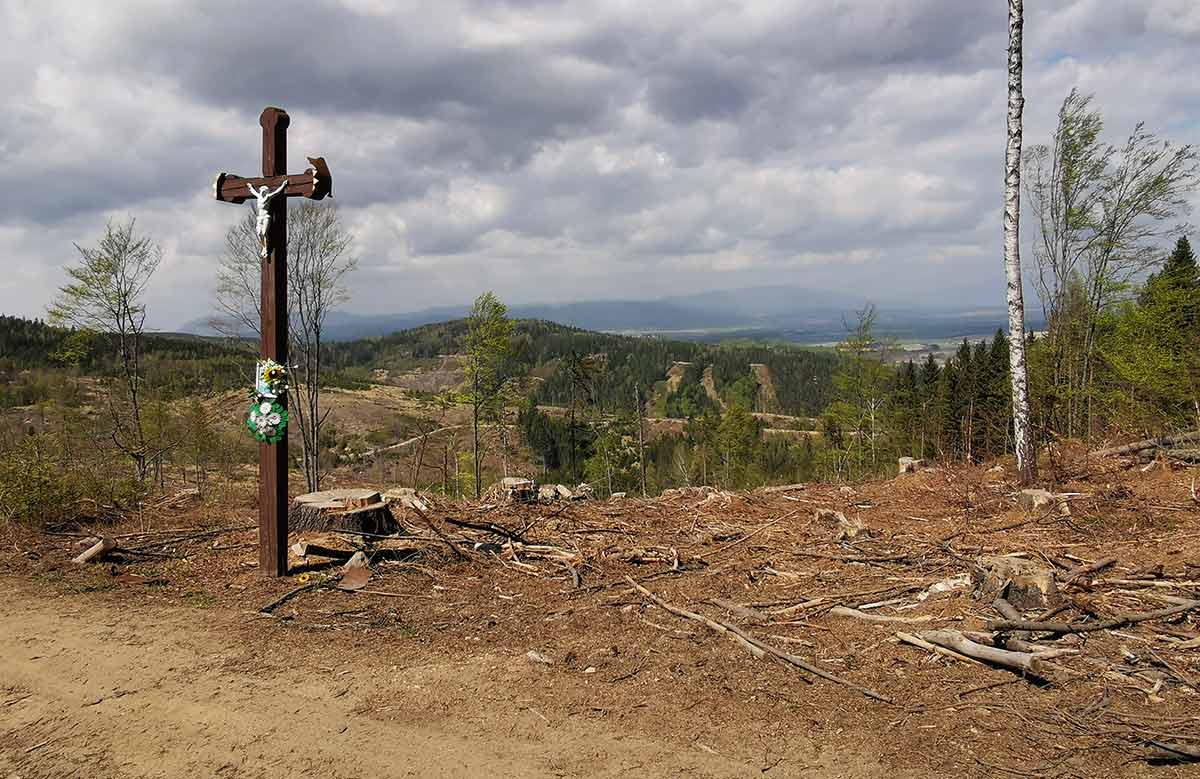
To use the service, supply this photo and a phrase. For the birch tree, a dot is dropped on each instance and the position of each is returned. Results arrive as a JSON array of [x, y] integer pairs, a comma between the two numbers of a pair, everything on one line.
[[1023, 440], [861, 386], [106, 295]]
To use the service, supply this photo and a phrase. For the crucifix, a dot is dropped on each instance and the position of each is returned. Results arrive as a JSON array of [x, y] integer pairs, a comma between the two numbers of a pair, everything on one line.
[[271, 191]]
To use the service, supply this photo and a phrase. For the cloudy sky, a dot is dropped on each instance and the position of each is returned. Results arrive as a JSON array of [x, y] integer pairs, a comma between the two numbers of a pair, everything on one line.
[[564, 150]]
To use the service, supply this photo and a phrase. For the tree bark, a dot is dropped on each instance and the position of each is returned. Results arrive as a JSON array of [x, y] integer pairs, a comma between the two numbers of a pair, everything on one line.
[[1026, 456]]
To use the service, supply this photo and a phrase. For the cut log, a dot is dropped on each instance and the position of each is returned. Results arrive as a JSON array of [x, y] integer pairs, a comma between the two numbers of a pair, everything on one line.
[[1150, 571], [363, 511], [952, 639], [784, 488], [96, 551], [1008, 611], [1149, 443]]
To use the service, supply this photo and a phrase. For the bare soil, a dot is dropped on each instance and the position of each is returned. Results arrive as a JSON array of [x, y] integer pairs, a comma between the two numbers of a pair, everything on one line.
[[427, 673]]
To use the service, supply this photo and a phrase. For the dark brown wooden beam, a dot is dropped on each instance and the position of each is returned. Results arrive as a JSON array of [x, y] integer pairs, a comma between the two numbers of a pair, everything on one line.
[[314, 183], [273, 458]]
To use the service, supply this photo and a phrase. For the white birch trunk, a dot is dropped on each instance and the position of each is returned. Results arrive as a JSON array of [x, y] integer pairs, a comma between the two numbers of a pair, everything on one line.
[[1026, 459]]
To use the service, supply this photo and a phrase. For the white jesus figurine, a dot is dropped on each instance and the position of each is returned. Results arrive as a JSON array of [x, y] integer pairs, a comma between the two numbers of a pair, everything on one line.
[[263, 225]]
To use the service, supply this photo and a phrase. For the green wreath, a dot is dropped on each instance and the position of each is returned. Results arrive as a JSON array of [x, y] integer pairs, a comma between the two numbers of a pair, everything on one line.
[[267, 420]]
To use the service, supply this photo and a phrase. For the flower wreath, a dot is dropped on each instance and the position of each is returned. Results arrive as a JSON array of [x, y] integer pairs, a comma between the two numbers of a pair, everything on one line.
[[268, 418], [267, 421]]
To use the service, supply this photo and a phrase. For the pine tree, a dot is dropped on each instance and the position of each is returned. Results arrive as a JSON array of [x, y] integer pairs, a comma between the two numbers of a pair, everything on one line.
[[930, 375], [1179, 271], [905, 409], [999, 413], [739, 438], [1154, 348], [945, 410]]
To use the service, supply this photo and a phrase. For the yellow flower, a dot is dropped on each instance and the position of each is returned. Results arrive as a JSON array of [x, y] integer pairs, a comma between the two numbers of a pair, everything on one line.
[[303, 578]]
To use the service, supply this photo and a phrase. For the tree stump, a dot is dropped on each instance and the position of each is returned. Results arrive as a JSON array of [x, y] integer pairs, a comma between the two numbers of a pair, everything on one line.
[[358, 510], [848, 529], [512, 489], [1024, 584]]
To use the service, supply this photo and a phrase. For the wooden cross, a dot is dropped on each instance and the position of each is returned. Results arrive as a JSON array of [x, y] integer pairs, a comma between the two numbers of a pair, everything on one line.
[[314, 183]]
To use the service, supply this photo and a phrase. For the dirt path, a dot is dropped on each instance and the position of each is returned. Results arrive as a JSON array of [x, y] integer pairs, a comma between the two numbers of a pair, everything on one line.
[[409, 442], [89, 690]]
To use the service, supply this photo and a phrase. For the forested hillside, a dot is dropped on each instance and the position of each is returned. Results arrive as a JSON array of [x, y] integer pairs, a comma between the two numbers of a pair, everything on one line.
[[37, 358], [558, 354]]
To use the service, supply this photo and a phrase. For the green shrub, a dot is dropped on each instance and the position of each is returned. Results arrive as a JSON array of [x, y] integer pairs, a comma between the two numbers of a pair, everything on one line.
[[40, 486]]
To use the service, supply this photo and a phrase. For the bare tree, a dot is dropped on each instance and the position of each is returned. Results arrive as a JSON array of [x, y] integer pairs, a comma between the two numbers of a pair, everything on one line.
[[1026, 454], [105, 295], [318, 261]]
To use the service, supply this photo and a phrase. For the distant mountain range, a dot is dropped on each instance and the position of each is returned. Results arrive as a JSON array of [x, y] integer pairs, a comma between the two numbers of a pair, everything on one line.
[[762, 313]]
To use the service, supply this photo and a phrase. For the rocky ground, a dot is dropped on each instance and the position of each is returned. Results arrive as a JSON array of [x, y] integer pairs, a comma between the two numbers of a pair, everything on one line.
[[794, 632]]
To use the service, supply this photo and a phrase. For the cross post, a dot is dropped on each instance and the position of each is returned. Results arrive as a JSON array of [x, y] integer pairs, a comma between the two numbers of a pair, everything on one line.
[[315, 183]]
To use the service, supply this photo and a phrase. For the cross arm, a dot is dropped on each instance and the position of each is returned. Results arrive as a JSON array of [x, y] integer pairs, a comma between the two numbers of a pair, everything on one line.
[[314, 183]]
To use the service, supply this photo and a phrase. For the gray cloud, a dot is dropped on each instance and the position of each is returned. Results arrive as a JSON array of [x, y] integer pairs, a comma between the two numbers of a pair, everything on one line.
[[564, 149]]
